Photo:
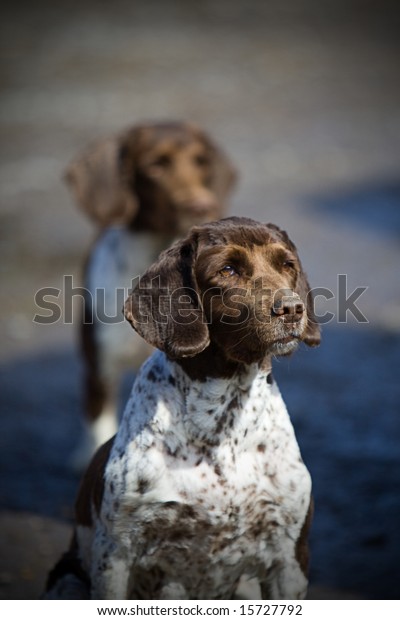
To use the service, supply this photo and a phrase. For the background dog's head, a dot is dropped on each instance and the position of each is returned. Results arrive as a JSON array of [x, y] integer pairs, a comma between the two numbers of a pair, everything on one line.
[[236, 283], [162, 177]]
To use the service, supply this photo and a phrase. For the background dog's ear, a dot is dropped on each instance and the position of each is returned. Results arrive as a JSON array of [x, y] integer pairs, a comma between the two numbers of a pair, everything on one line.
[[312, 335], [165, 307], [128, 154], [95, 182], [223, 173]]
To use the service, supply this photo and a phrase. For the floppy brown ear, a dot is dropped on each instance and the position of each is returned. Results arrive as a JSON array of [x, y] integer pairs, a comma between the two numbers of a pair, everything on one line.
[[223, 173], [129, 148], [312, 335], [95, 182], [165, 308]]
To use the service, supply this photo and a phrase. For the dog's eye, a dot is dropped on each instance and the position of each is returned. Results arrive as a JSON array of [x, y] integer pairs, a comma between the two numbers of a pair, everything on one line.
[[228, 271], [201, 161], [163, 161], [289, 263]]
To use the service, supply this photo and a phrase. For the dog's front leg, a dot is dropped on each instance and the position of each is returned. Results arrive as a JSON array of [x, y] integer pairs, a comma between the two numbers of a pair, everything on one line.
[[110, 570], [285, 582], [111, 581]]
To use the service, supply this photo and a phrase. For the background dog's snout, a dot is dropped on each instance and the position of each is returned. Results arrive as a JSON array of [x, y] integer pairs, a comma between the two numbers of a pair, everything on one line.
[[203, 208], [291, 308], [200, 203]]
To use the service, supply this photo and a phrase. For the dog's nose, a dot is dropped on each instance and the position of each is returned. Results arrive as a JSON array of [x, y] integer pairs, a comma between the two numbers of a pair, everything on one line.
[[291, 308], [201, 207], [199, 202]]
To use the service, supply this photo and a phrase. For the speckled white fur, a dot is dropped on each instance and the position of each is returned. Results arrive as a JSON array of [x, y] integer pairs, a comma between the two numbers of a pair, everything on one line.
[[204, 484]]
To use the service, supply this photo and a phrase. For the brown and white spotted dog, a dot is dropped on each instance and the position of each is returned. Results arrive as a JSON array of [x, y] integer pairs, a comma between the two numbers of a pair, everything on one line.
[[144, 188], [204, 482]]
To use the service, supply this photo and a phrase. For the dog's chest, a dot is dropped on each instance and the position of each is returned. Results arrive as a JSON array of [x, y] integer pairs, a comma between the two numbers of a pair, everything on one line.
[[117, 260], [210, 484], [119, 256]]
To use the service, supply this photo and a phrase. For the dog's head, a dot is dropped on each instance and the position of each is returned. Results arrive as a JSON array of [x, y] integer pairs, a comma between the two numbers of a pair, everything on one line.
[[237, 284], [162, 177]]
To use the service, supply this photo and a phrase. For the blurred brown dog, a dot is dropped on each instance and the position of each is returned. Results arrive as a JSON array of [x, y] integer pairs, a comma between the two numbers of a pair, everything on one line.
[[143, 187]]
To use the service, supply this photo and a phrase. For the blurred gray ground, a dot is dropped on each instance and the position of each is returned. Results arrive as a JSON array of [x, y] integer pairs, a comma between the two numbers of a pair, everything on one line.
[[305, 96]]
